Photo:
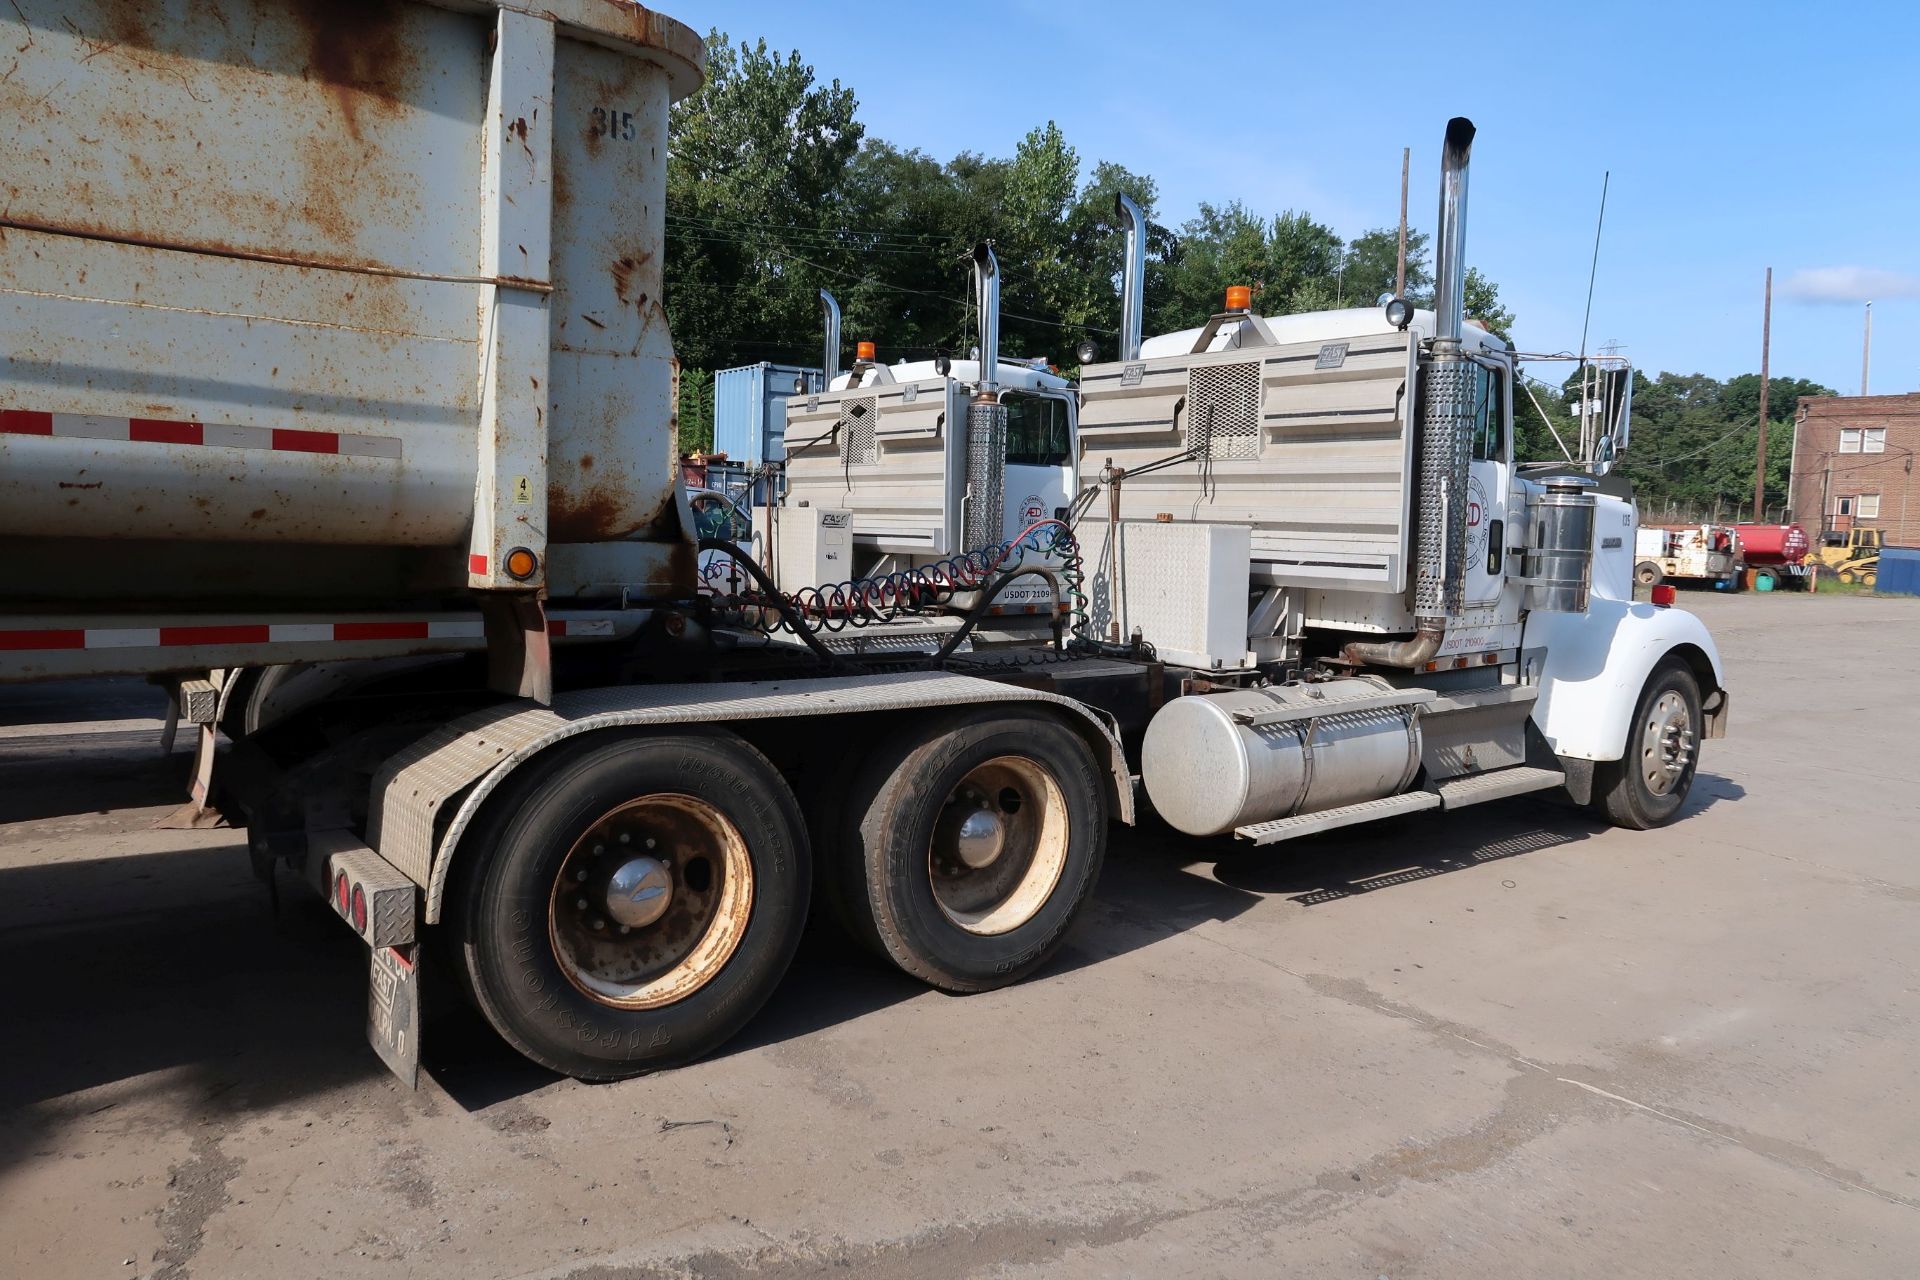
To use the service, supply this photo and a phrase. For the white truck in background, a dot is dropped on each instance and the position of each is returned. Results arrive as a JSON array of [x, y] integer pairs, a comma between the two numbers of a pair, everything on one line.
[[380, 475], [1704, 553]]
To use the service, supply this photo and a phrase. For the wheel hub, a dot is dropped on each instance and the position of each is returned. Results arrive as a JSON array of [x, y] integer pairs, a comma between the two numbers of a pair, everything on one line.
[[651, 901], [1666, 744], [979, 838], [639, 892], [999, 845]]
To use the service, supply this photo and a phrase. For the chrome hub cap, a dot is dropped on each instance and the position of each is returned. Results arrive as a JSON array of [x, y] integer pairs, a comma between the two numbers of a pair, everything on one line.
[[999, 846], [1666, 743], [640, 892], [651, 902]]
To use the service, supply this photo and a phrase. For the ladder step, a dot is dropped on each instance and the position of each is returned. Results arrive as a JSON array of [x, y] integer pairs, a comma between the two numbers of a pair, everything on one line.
[[1496, 784], [1305, 824]]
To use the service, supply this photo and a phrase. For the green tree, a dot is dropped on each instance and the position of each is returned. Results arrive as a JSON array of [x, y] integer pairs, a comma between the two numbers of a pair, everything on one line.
[[1371, 263], [758, 156]]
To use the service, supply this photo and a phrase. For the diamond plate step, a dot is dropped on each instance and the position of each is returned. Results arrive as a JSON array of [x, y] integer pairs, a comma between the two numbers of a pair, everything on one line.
[[1306, 824], [1496, 784]]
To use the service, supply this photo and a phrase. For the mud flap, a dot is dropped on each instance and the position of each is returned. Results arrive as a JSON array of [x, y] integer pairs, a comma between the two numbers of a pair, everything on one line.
[[393, 1010]]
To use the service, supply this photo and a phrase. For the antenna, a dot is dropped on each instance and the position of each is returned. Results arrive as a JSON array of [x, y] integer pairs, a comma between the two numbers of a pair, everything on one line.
[[1587, 443], [1593, 269]]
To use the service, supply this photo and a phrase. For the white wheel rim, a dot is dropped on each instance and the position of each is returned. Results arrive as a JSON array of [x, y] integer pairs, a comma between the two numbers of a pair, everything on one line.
[[708, 875], [999, 845]]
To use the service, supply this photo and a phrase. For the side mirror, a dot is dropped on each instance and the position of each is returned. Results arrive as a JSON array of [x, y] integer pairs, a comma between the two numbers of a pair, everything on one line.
[[1616, 416]]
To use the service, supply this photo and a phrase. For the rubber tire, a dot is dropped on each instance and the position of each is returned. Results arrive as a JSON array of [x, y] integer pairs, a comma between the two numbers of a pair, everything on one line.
[[1845, 576], [504, 872], [1620, 793], [1869, 579], [884, 887], [1772, 578], [1648, 574]]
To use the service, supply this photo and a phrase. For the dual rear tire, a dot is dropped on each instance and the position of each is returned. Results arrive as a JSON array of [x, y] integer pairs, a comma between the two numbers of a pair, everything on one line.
[[963, 850], [628, 903]]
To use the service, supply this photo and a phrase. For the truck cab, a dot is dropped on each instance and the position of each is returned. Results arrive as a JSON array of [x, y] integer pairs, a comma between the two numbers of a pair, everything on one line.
[[886, 444]]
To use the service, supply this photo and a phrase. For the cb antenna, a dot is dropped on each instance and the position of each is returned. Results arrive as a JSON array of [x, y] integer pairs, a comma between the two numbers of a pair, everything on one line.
[[1593, 269]]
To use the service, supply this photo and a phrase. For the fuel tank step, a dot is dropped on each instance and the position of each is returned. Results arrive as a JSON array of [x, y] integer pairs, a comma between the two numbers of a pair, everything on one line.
[[1305, 824], [1496, 784]]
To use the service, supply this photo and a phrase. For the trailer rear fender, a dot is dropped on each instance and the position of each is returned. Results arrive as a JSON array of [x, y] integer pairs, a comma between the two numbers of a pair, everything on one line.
[[425, 796], [1592, 666]]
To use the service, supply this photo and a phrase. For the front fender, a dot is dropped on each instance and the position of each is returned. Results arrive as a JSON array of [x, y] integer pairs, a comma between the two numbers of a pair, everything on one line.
[[1591, 667]]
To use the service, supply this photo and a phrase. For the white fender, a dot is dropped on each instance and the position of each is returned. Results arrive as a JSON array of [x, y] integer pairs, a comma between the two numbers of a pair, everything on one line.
[[1592, 666]]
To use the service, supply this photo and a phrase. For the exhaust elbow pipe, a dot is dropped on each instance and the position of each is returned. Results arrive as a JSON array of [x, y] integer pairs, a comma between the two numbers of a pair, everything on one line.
[[830, 356], [1133, 274], [1399, 653]]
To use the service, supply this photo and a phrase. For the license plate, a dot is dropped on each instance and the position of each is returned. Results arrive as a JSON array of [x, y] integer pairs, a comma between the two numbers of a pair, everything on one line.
[[393, 1012]]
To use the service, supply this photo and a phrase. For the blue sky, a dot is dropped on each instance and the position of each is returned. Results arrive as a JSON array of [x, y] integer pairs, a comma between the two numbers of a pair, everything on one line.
[[1739, 136]]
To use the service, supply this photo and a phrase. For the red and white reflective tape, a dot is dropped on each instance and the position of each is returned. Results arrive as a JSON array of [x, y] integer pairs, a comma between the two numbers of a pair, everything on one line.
[[86, 426], [187, 636], [250, 633]]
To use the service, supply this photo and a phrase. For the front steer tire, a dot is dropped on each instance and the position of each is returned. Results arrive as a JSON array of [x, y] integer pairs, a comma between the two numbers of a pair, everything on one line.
[[1627, 791]]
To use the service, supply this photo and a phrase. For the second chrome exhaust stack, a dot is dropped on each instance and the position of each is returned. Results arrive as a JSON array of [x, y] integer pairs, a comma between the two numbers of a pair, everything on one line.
[[1133, 274], [986, 497], [1446, 432]]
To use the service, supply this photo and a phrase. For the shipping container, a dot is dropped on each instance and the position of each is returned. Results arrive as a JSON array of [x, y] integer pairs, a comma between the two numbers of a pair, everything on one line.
[[1899, 571], [750, 409]]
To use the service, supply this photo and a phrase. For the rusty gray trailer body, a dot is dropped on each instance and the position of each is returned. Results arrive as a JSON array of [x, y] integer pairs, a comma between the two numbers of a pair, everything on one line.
[[324, 308]]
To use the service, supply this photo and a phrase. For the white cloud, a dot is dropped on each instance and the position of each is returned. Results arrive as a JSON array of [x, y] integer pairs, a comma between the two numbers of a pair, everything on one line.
[[1849, 284]]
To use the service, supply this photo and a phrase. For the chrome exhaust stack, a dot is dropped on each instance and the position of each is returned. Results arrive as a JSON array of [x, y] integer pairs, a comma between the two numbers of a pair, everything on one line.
[[830, 355], [1133, 274], [1446, 431], [984, 509]]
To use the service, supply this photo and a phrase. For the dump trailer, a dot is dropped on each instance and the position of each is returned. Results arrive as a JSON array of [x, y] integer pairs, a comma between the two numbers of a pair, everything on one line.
[[377, 477], [335, 401]]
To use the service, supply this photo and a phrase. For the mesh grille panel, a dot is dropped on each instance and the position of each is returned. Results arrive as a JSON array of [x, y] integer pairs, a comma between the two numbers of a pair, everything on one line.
[[986, 474], [1223, 411], [857, 444], [1446, 439]]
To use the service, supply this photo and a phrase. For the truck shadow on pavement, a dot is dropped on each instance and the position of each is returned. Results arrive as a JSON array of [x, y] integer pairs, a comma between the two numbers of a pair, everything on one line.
[[168, 974]]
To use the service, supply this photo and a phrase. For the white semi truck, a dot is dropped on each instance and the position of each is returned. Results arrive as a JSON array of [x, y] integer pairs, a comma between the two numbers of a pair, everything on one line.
[[334, 401]]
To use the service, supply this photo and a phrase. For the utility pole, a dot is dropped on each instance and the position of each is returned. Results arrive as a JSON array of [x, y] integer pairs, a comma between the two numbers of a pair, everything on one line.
[[1400, 271], [1866, 351], [1760, 465]]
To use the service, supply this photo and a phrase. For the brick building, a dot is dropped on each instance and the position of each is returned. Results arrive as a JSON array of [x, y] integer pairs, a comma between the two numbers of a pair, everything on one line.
[[1853, 464]]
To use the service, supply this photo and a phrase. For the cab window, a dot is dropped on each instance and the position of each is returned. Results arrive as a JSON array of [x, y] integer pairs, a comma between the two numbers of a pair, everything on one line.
[[1489, 414], [1037, 433]]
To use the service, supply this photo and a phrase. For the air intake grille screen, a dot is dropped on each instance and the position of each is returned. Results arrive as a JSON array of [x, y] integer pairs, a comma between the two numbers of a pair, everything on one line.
[[857, 443], [1223, 411]]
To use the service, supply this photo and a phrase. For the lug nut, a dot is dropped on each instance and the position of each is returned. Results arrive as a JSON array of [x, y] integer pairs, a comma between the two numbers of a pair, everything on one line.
[[581, 904], [599, 923]]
